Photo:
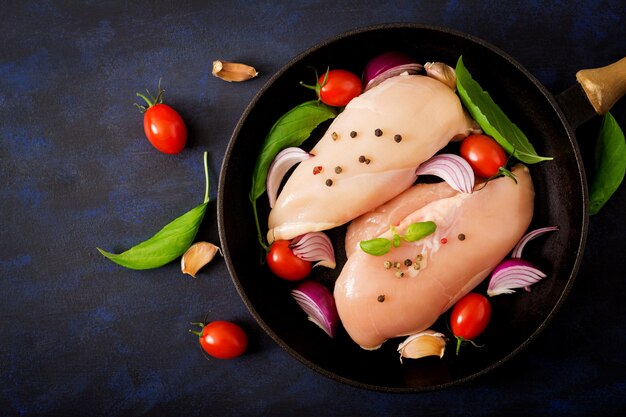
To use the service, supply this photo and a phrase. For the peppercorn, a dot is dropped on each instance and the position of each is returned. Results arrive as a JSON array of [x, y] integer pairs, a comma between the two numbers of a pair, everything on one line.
[[396, 265], [381, 298], [397, 138], [338, 170], [408, 262], [353, 134], [399, 274], [334, 135], [378, 132], [387, 264], [461, 236], [367, 161], [416, 266], [329, 182], [419, 257], [362, 158]]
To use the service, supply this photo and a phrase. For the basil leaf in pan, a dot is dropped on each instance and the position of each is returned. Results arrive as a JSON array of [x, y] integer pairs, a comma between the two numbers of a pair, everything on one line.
[[292, 129], [492, 119]]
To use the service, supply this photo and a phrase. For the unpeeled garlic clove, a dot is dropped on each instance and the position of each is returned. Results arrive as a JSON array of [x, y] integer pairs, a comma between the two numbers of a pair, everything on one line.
[[419, 345], [441, 72], [197, 256], [233, 71]]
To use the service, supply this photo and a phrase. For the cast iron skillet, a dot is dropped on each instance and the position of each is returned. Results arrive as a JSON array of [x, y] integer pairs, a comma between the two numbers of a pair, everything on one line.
[[561, 200]]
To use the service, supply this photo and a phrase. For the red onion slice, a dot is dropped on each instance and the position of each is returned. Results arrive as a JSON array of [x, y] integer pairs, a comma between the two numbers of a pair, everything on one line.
[[314, 246], [453, 169], [283, 162], [517, 250], [513, 274], [413, 68], [383, 62], [318, 303]]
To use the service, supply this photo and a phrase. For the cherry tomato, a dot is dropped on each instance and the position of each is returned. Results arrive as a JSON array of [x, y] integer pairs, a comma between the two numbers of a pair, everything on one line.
[[284, 263], [339, 87], [163, 126], [469, 317], [484, 155], [223, 339]]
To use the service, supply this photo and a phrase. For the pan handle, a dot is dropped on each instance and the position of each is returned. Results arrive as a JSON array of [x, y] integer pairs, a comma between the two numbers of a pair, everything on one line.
[[604, 86]]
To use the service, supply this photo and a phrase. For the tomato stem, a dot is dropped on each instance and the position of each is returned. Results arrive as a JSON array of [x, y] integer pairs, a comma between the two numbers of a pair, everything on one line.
[[459, 342], [197, 323]]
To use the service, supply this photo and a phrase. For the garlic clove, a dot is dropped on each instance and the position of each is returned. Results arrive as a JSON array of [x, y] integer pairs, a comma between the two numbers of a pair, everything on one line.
[[233, 71], [441, 72], [419, 345], [197, 256]]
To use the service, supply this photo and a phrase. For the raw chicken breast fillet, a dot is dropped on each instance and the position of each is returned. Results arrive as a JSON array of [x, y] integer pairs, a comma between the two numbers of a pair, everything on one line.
[[479, 229], [348, 176]]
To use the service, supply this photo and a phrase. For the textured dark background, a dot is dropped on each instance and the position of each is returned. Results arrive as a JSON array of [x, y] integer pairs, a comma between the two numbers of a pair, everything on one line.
[[81, 336]]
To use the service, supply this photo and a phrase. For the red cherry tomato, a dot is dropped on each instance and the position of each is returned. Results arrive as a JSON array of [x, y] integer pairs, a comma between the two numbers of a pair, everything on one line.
[[282, 262], [223, 339], [469, 317], [484, 155], [338, 87], [163, 126]]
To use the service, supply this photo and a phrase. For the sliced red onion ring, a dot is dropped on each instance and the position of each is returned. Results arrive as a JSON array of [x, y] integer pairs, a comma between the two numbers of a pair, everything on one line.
[[283, 162], [453, 169], [517, 250], [318, 303], [413, 68], [512, 274], [383, 62], [314, 246]]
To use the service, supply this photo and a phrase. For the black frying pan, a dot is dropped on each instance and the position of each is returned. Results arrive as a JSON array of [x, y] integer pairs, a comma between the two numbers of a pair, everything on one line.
[[561, 200]]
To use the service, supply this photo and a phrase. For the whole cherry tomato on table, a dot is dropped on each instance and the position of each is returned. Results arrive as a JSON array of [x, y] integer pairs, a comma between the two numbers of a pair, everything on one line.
[[337, 87], [469, 318], [484, 154], [163, 126], [284, 263], [222, 339]]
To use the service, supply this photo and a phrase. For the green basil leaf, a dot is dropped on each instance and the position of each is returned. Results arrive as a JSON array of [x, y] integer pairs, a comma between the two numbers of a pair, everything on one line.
[[420, 230], [168, 244], [492, 119], [292, 129], [610, 163], [377, 247]]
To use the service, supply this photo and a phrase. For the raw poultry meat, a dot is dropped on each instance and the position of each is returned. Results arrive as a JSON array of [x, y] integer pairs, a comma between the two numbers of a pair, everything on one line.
[[369, 154], [474, 233]]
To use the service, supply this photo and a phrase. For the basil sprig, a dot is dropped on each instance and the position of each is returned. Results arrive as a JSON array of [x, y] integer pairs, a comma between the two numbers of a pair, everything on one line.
[[492, 119], [610, 160], [380, 246], [292, 129], [169, 243]]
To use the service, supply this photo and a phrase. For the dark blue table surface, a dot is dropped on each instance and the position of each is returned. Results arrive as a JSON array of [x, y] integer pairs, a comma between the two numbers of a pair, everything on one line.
[[82, 336]]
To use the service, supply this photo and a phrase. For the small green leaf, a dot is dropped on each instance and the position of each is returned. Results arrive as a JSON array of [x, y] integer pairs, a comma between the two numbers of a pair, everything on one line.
[[610, 163], [396, 240], [377, 247], [492, 119], [168, 244], [420, 230]]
